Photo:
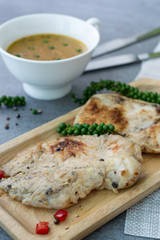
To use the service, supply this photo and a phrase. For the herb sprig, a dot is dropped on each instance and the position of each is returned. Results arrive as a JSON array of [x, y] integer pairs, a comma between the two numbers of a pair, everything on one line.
[[119, 87]]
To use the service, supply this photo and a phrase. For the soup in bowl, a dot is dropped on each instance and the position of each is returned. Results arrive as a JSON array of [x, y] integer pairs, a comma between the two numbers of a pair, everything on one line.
[[47, 47], [65, 46]]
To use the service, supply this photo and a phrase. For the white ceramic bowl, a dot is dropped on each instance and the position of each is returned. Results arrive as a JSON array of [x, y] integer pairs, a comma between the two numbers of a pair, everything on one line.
[[48, 79]]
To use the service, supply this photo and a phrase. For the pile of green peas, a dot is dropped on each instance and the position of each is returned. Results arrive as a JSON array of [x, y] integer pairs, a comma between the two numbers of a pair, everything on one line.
[[12, 101], [85, 129]]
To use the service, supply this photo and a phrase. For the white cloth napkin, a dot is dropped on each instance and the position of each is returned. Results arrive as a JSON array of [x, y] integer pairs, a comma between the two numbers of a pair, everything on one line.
[[143, 219]]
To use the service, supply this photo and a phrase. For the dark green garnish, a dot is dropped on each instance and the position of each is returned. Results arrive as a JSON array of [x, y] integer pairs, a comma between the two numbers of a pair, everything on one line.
[[31, 48], [12, 101], [119, 87], [45, 41], [78, 50], [36, 56], [65, 44], [18, 55], [51, 47], [86, 129], [57, 59]]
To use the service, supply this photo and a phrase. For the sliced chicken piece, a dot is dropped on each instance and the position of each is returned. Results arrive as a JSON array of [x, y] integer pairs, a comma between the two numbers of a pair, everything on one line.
[[139, 120], [58, 173]]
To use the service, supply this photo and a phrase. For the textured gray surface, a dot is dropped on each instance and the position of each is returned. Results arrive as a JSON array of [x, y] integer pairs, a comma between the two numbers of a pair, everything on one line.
[[120, 19]]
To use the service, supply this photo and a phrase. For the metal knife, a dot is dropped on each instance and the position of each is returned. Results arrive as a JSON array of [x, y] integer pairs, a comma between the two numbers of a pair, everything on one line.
[[119, 60], [123, 42]]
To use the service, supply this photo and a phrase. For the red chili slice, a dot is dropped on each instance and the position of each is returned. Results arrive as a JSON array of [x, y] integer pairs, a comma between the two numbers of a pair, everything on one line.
[[1, 175], [61, 215], [42, 228]]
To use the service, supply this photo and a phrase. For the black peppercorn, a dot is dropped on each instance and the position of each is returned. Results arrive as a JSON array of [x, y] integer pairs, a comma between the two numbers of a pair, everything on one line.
[[18, 115], [115, 185]]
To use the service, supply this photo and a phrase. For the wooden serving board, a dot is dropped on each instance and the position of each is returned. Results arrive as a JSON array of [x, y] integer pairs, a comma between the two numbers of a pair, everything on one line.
[[90, 213]]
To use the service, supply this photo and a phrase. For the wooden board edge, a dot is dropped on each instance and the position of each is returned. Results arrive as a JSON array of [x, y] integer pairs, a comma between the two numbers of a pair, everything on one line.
[[92, 226], [15, 230]]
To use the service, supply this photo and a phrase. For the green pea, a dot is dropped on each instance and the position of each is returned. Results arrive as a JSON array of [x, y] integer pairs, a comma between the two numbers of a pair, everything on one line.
[[95, 132], [82, 101], [99, 129], [91, 129], [86, 125], [23, 103], [111, 127], [89, 133], [75, 100], [70, 131], [65, 44], [3, 98], [94, 125], [10, 104], [105, 128], [45, 41], [78, 50], [5, 102], [76, 132], [59, 130], [64, 132], [83, 131], [34, 111], [102, 124], [79, 127], [22, 98], [62, 125]]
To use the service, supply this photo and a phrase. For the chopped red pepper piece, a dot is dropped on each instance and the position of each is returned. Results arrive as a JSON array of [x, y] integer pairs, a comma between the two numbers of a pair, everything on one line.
[[42, 228], [61, 215], [1, 175]]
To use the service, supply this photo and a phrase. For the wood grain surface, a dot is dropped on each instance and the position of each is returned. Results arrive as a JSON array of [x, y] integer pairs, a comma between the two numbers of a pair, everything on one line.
[[90, 213]]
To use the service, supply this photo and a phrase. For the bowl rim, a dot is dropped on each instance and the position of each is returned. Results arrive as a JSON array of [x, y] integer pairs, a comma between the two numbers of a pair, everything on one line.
[[2, 51]]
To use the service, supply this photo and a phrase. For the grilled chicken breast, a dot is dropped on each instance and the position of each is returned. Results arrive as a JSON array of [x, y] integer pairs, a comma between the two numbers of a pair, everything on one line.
[[139, 120], [58, 173]]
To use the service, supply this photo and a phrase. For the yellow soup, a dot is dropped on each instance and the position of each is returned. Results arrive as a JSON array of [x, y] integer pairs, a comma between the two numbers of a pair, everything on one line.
[[47, 47]]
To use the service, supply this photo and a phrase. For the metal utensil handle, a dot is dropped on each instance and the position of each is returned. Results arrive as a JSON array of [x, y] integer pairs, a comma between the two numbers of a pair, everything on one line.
[[148, 34], [95, 22]]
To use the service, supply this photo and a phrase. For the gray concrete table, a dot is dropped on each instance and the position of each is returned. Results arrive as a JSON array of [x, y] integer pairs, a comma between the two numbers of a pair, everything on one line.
[[120, 19]]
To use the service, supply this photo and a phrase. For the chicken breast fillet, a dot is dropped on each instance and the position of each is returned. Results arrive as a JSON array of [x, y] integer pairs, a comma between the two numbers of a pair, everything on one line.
[[139, 120], [58, 173]]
